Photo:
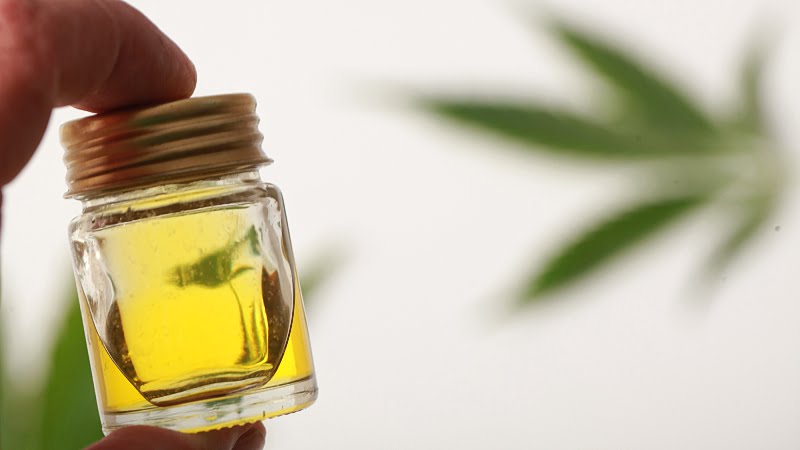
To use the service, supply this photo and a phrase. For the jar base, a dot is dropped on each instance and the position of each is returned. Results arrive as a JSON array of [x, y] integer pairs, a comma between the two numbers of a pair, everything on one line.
[[222, 412]]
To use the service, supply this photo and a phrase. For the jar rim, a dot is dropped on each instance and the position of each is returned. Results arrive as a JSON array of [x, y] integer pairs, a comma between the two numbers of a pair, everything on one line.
[[183, 140]]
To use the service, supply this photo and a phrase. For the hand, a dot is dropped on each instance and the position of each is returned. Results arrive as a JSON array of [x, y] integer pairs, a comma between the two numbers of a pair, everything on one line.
[[96, 55], [247, 437], [93, 54]]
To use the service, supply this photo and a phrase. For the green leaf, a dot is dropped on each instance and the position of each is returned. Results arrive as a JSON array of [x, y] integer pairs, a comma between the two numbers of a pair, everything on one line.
[[9, 434], [751, 114], [546, 129], [69, 413], [216, 268], [664, 106], [750, 221], [5, 429], [19, 419], [608, 239], [325, 264], [18, 410]]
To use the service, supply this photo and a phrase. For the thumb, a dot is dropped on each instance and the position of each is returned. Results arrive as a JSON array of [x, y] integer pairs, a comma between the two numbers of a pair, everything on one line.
[[246, 437], [253, 439]]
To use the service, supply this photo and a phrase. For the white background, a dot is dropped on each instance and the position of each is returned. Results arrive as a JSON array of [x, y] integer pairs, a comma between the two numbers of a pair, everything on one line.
[[411, 345]]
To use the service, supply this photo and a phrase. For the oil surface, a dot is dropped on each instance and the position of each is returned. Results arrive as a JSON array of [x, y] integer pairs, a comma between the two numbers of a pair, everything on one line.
[[196, 306]]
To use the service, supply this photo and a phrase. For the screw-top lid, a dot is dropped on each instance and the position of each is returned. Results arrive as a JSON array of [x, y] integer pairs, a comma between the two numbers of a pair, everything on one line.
[[179, 141]]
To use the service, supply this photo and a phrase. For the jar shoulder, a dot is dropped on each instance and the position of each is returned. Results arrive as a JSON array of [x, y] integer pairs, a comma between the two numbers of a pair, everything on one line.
[[172, 203]]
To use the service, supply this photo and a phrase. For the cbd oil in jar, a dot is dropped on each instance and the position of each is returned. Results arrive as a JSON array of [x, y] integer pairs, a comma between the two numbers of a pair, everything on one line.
[[191, 305]]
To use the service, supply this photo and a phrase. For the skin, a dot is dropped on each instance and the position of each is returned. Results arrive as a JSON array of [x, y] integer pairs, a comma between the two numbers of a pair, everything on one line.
[[96, 55]]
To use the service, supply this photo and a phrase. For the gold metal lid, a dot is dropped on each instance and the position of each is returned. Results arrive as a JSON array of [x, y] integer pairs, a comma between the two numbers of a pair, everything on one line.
[[185, 140]]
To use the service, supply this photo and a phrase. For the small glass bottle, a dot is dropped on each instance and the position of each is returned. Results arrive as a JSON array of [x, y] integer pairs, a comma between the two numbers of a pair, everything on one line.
[[191, 305]]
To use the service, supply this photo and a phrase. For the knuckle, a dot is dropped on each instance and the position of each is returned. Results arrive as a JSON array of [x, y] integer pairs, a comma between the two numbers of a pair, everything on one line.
[[20, 24], [18, 19], [21, 44]]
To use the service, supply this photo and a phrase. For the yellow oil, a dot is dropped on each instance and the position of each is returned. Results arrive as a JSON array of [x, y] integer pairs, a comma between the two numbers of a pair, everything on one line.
[[197, 312]]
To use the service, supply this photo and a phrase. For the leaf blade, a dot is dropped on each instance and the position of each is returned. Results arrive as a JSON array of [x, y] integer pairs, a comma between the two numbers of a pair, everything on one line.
[[546, 129], [19, 408], [606, 240], [69, 413], [751, 112], [661, 103], [320, 269], [750, 221]]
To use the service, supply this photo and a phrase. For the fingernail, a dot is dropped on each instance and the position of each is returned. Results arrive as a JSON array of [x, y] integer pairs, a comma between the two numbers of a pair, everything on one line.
[[253, 439]]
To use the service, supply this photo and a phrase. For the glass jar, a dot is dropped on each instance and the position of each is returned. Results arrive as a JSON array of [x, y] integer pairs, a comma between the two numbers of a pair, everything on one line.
[[191, 304]]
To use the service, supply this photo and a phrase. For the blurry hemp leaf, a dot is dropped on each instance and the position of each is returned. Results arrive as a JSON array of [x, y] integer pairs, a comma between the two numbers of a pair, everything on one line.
[[547, 129], [216, 268], [16, 430], [638, 87], [19, 409], [607, 239], [69, 410], [726, 162], [316, 271], [745, 224], [63, 415], [750, 113]]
